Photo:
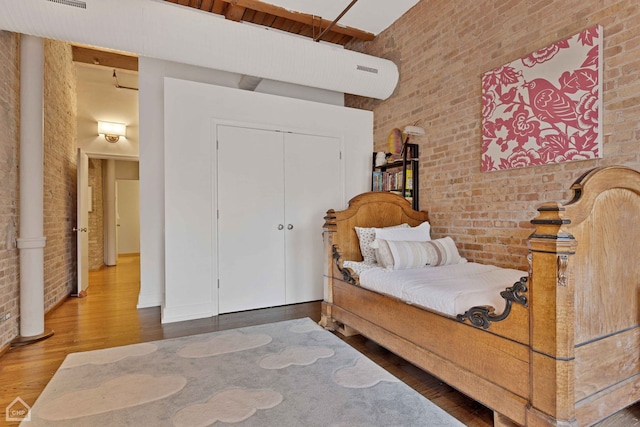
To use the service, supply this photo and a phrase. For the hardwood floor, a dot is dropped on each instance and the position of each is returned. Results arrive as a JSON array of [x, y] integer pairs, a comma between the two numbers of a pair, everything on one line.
[[108, 317]]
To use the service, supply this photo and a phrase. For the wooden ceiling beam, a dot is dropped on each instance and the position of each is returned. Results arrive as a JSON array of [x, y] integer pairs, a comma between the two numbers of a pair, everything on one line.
[[206, 5], [279, 23], [234, 12], [219, 7], [269, 20], [296, 27], [259, 18], [104, 58], [249, 15], [302, 18]]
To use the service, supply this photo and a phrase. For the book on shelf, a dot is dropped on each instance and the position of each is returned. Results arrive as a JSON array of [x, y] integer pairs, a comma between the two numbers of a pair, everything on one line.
[[398, 174], [377, 181], [389, 181]]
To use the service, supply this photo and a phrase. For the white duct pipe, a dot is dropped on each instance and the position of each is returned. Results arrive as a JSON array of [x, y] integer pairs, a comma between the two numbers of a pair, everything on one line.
[[162, 30], [31, 241]]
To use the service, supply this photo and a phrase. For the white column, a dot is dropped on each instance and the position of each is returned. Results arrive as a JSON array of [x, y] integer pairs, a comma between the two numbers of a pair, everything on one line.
[[110, 243], [31, 241]]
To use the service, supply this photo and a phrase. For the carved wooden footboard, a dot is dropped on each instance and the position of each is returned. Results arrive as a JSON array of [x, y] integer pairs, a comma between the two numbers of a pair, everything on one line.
[[570, 355]]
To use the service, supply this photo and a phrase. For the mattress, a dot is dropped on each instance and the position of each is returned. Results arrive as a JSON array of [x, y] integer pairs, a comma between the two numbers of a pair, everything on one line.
[[448, 289]]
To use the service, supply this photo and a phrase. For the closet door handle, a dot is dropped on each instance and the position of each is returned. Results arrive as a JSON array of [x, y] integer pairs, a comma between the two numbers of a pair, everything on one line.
[[290, 227], [280, 227]]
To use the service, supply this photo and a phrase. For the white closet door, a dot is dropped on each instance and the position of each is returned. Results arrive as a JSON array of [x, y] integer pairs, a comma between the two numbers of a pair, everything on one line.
[[251, 214], [313, 185]]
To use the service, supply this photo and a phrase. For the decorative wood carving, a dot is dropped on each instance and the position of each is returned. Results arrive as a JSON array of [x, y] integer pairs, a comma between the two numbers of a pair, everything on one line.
[[563, 262], [482, 316], [347, 273]]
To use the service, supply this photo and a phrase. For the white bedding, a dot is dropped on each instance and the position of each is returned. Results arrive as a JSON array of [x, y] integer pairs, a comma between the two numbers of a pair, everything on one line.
[[448, 289], [359, 266]]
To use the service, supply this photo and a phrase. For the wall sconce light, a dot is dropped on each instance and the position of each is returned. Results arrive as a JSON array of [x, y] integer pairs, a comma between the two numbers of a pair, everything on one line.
[[112, 131]]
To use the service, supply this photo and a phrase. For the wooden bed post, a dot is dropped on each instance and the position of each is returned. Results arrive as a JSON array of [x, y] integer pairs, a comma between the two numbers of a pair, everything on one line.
[[326, 319], [552, 322]]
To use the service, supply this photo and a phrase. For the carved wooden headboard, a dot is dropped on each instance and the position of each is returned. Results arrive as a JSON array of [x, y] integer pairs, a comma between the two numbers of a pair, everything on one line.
[[373, 209]]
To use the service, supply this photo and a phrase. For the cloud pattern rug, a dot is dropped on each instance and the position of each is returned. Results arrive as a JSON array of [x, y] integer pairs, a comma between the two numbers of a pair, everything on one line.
[[290, 373]]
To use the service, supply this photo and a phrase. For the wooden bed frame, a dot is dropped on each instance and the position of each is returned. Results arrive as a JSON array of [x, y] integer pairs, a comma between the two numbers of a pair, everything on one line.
[[568, 356]]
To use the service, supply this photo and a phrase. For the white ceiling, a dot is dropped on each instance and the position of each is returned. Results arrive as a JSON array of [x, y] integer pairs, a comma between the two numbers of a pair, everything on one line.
[[373, 16]]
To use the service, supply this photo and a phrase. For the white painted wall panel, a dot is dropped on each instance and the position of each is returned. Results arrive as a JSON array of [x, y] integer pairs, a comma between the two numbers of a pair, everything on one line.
[[151, 100], [189, 111], [188, 210]]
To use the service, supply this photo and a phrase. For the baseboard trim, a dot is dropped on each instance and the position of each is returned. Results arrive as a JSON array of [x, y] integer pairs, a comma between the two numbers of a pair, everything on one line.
[[56, 305], [189, 312]]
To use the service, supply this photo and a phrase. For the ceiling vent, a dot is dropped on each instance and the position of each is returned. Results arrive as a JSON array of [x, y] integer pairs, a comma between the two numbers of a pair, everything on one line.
[[367, 69], [73, 3], [162, 30]]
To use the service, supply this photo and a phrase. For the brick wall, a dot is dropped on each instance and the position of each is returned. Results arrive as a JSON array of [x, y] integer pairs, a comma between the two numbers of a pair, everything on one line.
[[96, 218], [9, 183], [60, 190], [442, 48], [59, 177]]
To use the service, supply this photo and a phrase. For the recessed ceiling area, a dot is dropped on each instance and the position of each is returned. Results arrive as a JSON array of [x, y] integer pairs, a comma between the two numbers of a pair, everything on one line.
[[316, 19]]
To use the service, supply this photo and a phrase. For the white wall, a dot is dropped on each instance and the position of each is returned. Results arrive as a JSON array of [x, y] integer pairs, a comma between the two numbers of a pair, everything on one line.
[[151, 100], [192, 110], [99, 99], [140, 27], [127, 170]]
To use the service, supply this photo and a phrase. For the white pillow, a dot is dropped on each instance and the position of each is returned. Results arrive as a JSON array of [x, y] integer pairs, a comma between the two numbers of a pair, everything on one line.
[[421, 233], [443, 252], [366, 236], [400, 255]]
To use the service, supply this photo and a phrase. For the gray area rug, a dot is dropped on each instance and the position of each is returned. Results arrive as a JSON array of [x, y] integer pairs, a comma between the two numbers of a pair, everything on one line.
[[290, 373]]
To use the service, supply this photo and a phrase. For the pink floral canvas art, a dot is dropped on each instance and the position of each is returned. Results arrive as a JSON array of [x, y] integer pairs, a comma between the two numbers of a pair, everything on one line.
[[545, 107]]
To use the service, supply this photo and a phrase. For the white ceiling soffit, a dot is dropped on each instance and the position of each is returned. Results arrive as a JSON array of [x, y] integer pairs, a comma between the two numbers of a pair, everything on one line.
[[162, 30], [372, 16]]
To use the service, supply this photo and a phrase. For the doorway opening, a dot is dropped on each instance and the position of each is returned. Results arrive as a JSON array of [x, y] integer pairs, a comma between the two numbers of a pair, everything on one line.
[[113, 173], [114, 211]]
